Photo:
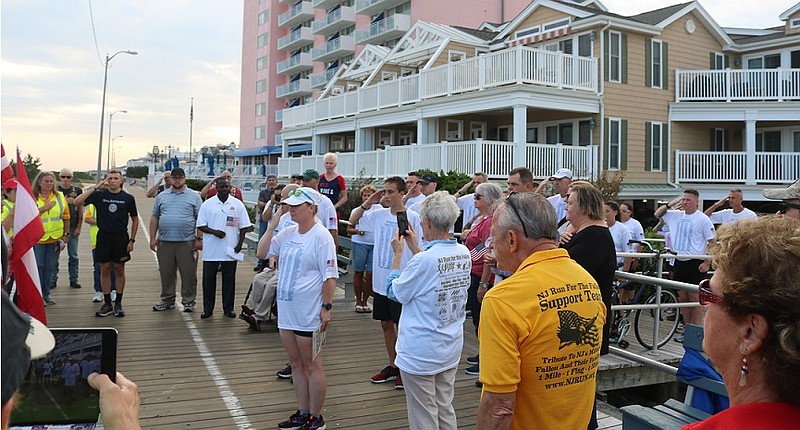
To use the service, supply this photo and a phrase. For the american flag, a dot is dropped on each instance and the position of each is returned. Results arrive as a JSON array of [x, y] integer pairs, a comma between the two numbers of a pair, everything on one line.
[[330, 263], [477, 253]]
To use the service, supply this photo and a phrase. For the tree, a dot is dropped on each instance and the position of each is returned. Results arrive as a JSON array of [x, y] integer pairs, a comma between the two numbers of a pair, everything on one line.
[[610, 187], [136, 172], [31, 166]]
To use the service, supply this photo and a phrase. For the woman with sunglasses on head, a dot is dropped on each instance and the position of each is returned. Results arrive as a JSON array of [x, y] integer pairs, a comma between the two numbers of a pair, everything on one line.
[[752, 323]]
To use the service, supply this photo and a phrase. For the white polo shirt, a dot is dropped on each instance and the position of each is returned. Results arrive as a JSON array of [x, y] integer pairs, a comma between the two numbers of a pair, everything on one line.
[[229, 217]]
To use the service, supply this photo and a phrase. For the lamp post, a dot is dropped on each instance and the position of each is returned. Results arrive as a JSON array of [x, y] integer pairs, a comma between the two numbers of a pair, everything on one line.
[[103, 111], [113, 151], [108, 155]]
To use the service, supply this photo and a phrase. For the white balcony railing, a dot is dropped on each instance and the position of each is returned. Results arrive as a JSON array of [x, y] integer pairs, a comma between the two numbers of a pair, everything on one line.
[[298, 13], [296, 39], [372, 7], [493, 158], [384, 29], [296, 63], [519, 65], [737, 85], [732, 167], [294, 88], [339, 18], [334, 48]]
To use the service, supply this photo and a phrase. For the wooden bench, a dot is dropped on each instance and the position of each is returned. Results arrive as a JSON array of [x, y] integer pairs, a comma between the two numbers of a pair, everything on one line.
[[674, 414]]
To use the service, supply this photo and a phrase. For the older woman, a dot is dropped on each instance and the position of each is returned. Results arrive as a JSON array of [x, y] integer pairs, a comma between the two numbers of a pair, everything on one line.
[[487, 197], [331, 184], [433, 289], [54, 212], [752, 323]]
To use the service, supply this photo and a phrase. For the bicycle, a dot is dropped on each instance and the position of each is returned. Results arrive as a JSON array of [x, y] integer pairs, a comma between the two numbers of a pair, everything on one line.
[[644, 319]]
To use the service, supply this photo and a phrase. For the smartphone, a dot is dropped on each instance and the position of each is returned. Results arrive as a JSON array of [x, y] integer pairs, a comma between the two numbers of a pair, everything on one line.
[[402, 223], [55, 390]]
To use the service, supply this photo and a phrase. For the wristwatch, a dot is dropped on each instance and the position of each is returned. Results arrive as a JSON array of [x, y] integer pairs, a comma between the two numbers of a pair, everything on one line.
[[327, 306]]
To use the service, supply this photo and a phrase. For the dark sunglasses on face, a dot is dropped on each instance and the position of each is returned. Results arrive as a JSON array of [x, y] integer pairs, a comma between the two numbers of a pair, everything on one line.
[[786, 206], [707, 296], [66, 177]]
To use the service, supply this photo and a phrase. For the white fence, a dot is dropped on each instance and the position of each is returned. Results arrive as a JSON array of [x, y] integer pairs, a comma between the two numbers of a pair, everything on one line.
[[731, 167], [493, 158], [519, 65], [735, 85]]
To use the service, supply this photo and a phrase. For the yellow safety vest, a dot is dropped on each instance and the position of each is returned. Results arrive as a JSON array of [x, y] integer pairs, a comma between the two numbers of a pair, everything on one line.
[[93, 229], [7, 206], [52, 220]]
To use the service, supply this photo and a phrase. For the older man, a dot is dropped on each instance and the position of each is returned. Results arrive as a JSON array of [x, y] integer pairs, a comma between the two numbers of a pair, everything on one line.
[[520, 180], [790, 197], [540, 329], [172, 237], [210, 189], [71, 191], [163, 184], [736, 212], [427, 185], [562, 179]]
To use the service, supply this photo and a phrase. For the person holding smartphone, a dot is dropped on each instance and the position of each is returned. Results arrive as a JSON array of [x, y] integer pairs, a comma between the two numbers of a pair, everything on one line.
[[383, 223]]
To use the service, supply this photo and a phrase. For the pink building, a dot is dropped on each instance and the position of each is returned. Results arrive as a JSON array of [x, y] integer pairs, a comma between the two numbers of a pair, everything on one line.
[[291, 49]]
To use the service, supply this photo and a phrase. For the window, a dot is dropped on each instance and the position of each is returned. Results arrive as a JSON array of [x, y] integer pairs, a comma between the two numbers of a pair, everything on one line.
[[719, 143], [656, 145], [718, 61], [585, 45], [351, 86], [261, 86], [795, 23], [768, 141], [260, 132], [527, 32], [385, 138], [263, 39], [614, 144], [551, 134], [532, 135], [262, 17], [477, 130], [504, 133], [585, 133], [555, 24], [405, 71], [771, 61], [615, 57], [454, 56], [656, 63], [388, 76], [261, 63], [405, 137], [796, 141], [261, 109], [565, 133], [454, 129]]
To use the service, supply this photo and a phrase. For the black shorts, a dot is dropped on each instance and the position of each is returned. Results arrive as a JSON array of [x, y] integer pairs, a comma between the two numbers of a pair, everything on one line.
[[112, 247], [385, 309], [303, 333], [688, 271]]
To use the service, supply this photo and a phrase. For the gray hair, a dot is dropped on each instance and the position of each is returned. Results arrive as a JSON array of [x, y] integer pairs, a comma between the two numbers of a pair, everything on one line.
[[491, 192], [441, 210], [331, 156], [527, 213]]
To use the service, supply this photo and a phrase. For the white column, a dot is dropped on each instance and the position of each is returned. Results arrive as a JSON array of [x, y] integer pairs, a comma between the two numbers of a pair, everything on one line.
[[422, 130], [750, 147], [520, 131]]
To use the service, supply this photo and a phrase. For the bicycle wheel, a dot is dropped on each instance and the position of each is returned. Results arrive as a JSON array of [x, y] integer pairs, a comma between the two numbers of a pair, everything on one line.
[[668, 321]]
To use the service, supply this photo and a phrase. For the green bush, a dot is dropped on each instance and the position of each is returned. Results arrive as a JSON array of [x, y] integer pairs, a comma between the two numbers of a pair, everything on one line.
[[138, 172], [196, 184]]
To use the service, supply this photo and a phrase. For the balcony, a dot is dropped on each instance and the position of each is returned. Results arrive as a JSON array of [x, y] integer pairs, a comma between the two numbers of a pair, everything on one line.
[[298, 14], [523, 66], [319, 80], [372, 7], [325, 4], [296, 63], [494, 158], [296, 88], [386, 29], [733, 167], [296, 39], [737, 85], [342, 45], [334, 21]]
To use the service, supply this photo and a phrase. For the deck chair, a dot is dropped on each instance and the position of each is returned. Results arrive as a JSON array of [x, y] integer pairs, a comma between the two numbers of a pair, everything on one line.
[[259, 305]]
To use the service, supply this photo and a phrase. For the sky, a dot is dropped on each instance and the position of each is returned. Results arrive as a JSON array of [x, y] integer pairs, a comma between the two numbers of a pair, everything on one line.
[[51, 71]]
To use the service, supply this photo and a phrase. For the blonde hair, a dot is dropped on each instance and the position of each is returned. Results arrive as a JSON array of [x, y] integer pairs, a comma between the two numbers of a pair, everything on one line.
[[369, 188], [589, 199], [331, 156]]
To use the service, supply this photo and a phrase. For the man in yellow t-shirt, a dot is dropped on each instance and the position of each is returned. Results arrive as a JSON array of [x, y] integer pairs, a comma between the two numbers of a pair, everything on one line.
[[540, 329]]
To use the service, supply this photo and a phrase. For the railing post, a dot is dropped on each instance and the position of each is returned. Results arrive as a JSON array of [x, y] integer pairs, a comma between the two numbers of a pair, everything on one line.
[[560, 69], [677, 85], [479, 156], [779, 83], [518, 66], [450, 78], [481, 73], [656, 320], [559, 156], [443, 157], [727, 84]]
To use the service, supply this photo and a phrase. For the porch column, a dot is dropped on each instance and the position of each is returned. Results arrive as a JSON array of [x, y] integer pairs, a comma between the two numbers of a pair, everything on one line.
[[359, 134], [422, 130], [284, 148], [314, 142], [520, 132], [750, 148]]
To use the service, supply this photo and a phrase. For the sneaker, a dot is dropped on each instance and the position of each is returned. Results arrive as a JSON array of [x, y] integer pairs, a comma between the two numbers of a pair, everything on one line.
[[314, 423], [679, 338], [388, 373], [98, 297], [473, 370], [74, 284], [295, 421], [286, 373], [162, 306], [189, 307], [398, 383], [105, 310], [473, 360], [118, 312], [49, 301]]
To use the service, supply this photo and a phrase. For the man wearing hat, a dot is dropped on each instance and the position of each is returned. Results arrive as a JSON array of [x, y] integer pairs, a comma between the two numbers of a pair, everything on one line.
[[326, 211], [172, 237], [562, 179], [296, 179], [70, 192], [427, 185], [9, 198], [790, 197]]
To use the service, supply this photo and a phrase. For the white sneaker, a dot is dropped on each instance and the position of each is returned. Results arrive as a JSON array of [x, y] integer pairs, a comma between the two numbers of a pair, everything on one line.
[[98, 297], [113, 295]]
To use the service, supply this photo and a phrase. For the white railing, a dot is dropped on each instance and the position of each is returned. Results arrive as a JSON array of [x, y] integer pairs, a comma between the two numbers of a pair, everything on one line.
[[342, 14], [294, 87], [492, 157], [731, 167], [302, 59], [297, 35], [519, 65], [393, 23], [303, 8], [341, 43], [737, 85]]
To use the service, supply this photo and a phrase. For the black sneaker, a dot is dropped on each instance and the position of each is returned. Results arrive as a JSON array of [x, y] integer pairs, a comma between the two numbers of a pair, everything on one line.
[[473, 370], [286, 373], [118, 312], [474, 359], [388, 373], [314, 423], [74, 284], [105, 310], [296, 421]]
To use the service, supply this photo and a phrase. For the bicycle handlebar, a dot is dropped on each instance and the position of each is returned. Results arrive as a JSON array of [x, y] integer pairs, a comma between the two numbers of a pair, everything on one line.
[[650, 247]]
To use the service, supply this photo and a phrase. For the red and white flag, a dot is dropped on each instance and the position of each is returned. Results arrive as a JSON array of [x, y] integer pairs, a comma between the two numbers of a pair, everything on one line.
[[7, 171], [28, 230]]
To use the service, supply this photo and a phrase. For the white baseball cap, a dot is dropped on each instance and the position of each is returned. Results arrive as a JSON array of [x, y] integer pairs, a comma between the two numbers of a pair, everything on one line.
[[562, 173], [302, 195]]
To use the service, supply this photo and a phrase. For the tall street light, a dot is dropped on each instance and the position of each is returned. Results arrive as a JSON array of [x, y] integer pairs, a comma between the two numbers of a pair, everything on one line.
[[113, 150], [108, 155], [103, 111]]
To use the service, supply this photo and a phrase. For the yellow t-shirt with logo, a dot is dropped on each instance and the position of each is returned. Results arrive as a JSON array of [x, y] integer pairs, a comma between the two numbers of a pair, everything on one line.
[[540, 337]]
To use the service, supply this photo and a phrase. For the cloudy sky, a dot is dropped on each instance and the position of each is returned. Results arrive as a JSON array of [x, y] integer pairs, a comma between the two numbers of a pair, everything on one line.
[[52, 72]]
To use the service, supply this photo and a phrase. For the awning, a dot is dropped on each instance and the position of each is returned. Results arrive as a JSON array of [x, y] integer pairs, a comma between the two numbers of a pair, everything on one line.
[[270, 150], [539, 37]]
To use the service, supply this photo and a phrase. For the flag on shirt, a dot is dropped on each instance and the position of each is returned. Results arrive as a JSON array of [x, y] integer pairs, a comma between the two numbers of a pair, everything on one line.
[[28, 230], [477, 253], [329, 264], [7, 171]]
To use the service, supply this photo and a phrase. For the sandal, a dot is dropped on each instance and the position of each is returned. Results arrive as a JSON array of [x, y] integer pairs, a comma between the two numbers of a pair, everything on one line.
[[366, 309], [359, 309]]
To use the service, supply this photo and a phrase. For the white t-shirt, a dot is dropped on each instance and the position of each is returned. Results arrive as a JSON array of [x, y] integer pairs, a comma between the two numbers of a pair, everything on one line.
[[305, 261], [326, 212], [229, 217], [433, 292], [369, 237], [410, 202], [637, 233], [467, 204], [690, 233], [726, 215], [621, 236], [560, 205], [383, 223]]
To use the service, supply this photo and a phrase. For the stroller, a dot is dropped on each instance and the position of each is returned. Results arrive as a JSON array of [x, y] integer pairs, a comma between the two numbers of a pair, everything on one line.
[[259, 305]]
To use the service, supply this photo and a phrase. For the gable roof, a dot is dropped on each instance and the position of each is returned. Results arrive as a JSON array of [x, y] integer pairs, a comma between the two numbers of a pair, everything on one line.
[[570, 8], [654, 17], [789, 12]]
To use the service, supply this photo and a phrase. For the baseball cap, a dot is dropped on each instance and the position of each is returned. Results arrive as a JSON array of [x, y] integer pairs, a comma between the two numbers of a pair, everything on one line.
[[792, 192], [310, 174], [272, 176], [10, 184], [562, 173], [301, 195], [23, 339], [178, 172], [428, 178]]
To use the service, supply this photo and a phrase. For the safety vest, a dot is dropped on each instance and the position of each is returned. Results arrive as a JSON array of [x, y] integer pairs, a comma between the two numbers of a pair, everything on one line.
[[7, 206], [93, 228], [52, 220]]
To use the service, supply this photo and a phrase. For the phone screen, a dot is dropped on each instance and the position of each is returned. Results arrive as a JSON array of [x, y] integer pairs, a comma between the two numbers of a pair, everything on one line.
[[55, 390], [402, 223]]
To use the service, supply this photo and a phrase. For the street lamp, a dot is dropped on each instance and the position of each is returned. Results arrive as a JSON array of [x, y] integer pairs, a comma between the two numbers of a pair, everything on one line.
[[113, 151], [108, 155], [103, 110]]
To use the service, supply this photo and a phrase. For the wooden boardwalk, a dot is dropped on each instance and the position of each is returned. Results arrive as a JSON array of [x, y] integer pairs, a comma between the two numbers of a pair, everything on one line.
[[215, 373]]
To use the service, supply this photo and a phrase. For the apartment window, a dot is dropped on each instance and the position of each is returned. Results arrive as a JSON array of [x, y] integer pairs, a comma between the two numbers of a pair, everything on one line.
[[262, 40], [718, 61], [796, 141], [656, 63], [719, 140], [261, 86], [795, 23], [585, 133], [532, 135], [261, 109], [656, 145], [527, 32], [565, 133], [585, 45], [771, 61], [405, 71], [385, 138], [504, 133], [455, 56], [262, 17], [388, 76], [477, 130], [553, 25], [261, 63], [260, 132], [551, 134], [454, 129], [405, 137], [768, 141], [615, 57], [614, 144]]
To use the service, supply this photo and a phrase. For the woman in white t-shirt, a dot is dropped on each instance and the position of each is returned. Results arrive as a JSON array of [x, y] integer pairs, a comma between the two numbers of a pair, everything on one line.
[[433, 291], [363, 242], [619, 233], [307, 274]]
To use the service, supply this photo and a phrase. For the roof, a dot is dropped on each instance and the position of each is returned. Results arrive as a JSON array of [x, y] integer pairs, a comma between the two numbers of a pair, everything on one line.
[[654, 17], [764, 38], [482, 34], [789, 12]]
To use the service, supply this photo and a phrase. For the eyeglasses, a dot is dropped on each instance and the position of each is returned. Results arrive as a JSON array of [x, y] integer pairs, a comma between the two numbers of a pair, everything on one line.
[[706, 295], [786, 206], [478, 196], [513, 207], [66, 177]]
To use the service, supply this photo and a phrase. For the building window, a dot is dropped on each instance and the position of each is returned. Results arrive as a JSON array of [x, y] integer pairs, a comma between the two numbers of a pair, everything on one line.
[[388, 76], [260, 132], [261, 86], [455, 56], [615, 57], [527, 32], [585, 133], [261, 109], [385, 138], [532, 135], [656, 63], [795, 23], [551, 134], [656, 145], [263, 39], [477, 130], [719, 143], [262, 17], [796, 141], [553, 25], [454, 129], [718, 62], [614, 144], [585, 45], [771, 61], [261, 63], [405, 137], [768, 141]]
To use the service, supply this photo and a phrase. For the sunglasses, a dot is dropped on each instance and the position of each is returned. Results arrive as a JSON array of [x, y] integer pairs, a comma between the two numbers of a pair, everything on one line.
[[786, 206], [513, 207], [300, 193], [707, 296], [66, 177]]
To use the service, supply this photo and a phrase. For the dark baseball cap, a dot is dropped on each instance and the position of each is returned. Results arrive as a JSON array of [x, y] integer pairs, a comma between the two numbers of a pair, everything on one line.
[[310, 174], [428, 178], [178, 172]]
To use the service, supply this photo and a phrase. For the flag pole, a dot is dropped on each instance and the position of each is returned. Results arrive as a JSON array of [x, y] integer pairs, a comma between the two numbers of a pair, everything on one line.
[[191, 124]]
